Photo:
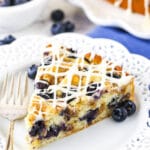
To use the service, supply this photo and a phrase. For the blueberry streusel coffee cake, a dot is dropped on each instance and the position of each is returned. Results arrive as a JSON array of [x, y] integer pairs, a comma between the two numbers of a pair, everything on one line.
[[74, 91]]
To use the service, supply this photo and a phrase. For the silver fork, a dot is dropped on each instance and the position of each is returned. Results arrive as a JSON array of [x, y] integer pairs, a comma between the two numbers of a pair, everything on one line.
[[14, 98]]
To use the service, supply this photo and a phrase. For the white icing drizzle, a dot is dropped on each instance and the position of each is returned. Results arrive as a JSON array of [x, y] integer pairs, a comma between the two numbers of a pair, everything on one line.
[[73, 69], [146, 6], [39, 115], [129, 6], [118, 3]]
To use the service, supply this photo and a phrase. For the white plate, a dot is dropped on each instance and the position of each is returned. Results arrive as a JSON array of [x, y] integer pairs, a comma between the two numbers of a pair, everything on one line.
[[132, 134], [102, 12]]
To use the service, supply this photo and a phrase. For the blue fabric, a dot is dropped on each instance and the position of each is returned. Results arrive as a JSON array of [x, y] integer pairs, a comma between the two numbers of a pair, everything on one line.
[[133, 44]]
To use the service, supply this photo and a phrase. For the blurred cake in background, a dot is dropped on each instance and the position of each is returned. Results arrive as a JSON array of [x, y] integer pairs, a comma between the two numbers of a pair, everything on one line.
[[136, 6]]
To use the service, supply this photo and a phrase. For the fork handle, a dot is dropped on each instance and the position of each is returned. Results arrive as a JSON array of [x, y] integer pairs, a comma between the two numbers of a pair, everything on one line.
[[9, 144]]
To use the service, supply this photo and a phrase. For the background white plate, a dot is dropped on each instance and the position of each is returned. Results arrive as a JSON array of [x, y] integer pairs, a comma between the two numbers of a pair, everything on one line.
[[132, 134], [102, 12]]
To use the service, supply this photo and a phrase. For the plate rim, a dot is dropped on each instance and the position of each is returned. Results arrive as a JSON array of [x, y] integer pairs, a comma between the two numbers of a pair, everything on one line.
[[77, 35]]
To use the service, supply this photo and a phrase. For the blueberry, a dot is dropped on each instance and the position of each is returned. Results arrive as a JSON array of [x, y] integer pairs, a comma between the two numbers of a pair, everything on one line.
[[130, 107], [97, 95], [17, 2], [72, 50], [113, 104], [12, 2], [48, 134], [53, 131], [70, 100], [87, 60], [46, 53], [6, 3], [51, 95], [149, 87], [91, 89], [43, 95], [116, 75], [72, 56], [57, 28], [7, 40], [108, 74], [37, 128], [69, 26], [90, 115], [66, 113], [57, 15], [41, 84], [119, 114], [46, 95], [63, 127], [2, 42], [74, 89], [32, 71], [85, 69], [48, 60]]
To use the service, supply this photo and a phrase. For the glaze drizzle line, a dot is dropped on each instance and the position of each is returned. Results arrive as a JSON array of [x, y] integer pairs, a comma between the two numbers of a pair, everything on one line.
[[96, 71]]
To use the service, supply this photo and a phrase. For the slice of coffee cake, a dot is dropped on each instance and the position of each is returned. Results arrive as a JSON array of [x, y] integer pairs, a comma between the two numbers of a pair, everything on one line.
[[74, 91]]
